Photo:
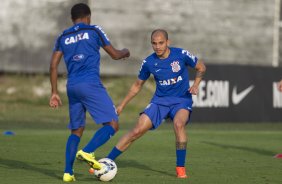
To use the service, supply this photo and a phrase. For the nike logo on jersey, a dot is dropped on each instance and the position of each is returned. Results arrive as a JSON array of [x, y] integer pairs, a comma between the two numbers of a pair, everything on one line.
[[158, 70], [76, 38], [238, 97]]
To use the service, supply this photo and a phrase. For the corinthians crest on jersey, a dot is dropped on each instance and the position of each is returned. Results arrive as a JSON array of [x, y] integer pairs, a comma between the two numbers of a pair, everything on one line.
[[175, 66]]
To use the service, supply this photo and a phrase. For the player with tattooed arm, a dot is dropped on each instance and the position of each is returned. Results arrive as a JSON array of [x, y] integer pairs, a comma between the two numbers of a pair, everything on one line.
[[172, 98]]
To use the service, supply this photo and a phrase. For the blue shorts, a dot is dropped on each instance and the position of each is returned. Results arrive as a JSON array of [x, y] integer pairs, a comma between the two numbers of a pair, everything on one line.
[[92, 98], [158, 112]]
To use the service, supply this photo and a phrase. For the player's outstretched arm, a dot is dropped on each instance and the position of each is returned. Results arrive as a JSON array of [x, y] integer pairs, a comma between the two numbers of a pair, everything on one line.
[[133, 91], [55, 100], [115, 53], [200, 71]]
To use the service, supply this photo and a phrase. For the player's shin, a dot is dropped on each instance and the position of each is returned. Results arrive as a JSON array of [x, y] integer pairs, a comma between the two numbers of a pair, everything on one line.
[[181, 153], [99, 138], [114, 153], [71, 149]]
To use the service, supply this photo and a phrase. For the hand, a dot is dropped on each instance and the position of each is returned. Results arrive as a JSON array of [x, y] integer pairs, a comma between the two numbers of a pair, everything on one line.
[[126, 51], [119, 109], [55, 101], [193, 90]]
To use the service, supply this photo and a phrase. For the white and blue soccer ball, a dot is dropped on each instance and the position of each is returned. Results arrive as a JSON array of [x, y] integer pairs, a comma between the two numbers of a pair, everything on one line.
[[108, 171]]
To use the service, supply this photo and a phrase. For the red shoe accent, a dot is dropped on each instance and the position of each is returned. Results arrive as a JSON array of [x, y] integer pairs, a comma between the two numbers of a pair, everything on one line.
[[278, 155], [91, 171], [181, 172]]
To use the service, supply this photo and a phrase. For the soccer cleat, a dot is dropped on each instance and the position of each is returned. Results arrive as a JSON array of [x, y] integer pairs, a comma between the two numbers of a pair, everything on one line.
[[278, 155], [181, 172], [68, 178], [89, 158]]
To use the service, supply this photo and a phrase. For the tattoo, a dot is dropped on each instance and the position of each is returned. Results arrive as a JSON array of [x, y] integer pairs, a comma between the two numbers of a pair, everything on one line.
[[181, 145], [200, 74]]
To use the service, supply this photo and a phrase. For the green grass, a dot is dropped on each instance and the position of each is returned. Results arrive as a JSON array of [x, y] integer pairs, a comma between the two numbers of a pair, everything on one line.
[[215, 156], [218, 153]]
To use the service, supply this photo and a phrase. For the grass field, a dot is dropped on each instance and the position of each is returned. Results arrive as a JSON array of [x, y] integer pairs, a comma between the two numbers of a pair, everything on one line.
[[218, 153], [215, 156]]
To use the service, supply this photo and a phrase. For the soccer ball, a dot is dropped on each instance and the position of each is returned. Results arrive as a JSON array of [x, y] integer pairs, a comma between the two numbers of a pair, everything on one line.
[[108, 171]]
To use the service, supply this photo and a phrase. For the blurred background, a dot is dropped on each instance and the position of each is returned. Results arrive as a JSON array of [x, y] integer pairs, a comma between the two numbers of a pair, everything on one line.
[[238, 40], [219, 31]]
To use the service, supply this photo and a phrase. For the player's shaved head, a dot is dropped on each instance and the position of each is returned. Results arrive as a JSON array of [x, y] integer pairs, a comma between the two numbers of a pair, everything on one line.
[[80, 10], [160, 31]]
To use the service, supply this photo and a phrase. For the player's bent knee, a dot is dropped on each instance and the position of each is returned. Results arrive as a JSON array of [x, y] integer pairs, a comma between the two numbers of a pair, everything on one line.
[[136, 133], [115, 125], [78, 132], [178, 125], [116, 129]]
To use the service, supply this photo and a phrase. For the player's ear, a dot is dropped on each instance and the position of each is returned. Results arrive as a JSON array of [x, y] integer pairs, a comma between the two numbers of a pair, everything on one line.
[[168, 42], [89, 19]]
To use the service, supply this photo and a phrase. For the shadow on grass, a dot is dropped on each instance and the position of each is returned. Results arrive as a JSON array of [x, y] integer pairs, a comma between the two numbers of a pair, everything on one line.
[[135, 164], [15, 164], [244, 148], [129, 164]]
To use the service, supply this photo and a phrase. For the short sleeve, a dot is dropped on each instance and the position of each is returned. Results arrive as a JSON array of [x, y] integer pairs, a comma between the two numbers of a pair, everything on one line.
[[144, 72], [189, 58], [103, 38], [57, 46]]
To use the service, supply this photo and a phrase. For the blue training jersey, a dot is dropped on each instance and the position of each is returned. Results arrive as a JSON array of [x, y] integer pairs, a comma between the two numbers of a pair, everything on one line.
[[171, 74], [80, 45]]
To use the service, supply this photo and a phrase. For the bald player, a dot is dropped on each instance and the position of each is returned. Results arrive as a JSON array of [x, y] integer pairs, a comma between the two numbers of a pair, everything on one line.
[[172, 98]]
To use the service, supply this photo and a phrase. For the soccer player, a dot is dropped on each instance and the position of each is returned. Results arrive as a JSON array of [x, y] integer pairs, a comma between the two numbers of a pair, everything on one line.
[[80, 46], [172, 98]]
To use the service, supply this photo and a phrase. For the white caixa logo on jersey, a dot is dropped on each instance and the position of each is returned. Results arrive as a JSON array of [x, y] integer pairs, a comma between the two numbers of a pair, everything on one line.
[[175, 66]]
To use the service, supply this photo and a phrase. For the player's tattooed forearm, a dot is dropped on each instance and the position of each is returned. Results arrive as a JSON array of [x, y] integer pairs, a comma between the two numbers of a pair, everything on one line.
[[181, 145], [200, 74]]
